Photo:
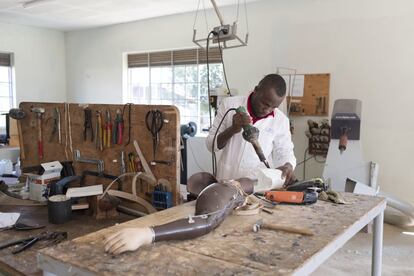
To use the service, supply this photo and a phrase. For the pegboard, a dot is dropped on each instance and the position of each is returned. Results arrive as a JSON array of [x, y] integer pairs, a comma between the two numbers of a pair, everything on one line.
[[310, 94], [168, 149]]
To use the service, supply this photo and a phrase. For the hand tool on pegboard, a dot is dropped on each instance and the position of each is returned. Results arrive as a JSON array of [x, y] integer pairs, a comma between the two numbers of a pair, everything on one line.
[[134, 163], [131, 162], [129, 105], [39, 115], [56, 131], [99, 131], [107, 129], [18, 114], [87, 124], [118, 129], [123, 166], [154, 121]]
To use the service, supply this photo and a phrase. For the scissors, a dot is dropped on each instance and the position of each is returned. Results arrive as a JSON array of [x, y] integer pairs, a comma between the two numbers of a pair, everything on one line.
[[23, 244], [154, 121]]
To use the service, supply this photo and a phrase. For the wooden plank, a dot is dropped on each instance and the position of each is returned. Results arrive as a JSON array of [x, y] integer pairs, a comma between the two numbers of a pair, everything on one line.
[[232, 245]]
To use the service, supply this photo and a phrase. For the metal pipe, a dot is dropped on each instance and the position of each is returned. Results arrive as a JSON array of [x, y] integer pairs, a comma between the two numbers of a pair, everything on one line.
[[99, 163], [377, 245], [216, 9]]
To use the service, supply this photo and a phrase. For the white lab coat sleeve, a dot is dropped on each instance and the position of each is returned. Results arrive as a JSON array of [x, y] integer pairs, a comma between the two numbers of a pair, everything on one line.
[[219, 116], [283, 147]]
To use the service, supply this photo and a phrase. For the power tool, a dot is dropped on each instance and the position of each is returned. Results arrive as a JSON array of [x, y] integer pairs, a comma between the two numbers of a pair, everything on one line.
[[303, 197], [301, 192], [251, 135]]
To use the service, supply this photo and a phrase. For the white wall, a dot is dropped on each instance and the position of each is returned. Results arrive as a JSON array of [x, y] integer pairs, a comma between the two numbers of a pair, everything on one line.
[[366, 46], [39, 62]]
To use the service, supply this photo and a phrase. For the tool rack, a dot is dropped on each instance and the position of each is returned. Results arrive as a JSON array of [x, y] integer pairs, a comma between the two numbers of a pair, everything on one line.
[[168, 148]]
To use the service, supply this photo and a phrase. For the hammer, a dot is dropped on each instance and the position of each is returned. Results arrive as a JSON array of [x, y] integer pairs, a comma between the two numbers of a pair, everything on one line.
[[39, 113], [19, 114], [260, 224]]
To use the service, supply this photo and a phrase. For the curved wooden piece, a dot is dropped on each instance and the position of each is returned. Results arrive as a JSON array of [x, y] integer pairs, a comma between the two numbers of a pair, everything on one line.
[[145, 177], [133, 198]]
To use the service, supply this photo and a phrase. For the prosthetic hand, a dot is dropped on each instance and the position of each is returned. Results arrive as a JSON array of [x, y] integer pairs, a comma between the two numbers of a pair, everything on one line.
[[128, 239]]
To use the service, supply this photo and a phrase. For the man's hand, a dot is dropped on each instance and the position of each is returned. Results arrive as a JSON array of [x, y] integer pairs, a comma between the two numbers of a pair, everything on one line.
[[240, 119], [287, 172]]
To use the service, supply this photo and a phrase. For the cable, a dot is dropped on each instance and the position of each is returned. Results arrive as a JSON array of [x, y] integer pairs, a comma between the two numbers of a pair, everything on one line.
[[208, 77], [247, 18], [306, 159], [195, 19], [213, 153], [222, 63], [304, 163]]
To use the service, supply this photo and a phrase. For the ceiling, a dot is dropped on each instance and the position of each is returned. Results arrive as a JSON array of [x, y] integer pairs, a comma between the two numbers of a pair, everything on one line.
[[67, 15]]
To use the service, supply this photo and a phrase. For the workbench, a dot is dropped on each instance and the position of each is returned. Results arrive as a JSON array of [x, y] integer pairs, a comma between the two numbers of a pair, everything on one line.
[[25, 263], [232, 248]]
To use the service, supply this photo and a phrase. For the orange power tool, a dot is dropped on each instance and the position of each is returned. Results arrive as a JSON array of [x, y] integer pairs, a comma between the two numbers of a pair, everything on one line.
[[305, 197]]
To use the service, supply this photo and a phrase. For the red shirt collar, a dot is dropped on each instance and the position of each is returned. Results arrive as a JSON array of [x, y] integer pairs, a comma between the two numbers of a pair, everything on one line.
[[250, 110]]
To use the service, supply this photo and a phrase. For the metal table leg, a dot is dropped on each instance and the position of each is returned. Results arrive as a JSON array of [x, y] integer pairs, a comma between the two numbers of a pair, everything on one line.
[[376, 264]]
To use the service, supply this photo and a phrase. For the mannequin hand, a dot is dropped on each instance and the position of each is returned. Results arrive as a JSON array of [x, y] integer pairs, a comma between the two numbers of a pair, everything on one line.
[[240, 120], [128, 239], [287, 173]]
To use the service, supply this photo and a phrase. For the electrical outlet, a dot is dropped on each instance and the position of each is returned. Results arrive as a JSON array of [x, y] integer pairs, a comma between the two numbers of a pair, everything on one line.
[[224, 33]]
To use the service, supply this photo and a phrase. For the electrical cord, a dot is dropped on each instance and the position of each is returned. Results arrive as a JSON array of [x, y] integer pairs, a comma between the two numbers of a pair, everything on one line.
[[222, 63], [213, 153], [304, 164], [208, 77], [306, 159]]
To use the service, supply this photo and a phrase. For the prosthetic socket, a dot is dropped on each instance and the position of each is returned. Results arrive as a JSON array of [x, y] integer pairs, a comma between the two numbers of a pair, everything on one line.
[[213, 205]]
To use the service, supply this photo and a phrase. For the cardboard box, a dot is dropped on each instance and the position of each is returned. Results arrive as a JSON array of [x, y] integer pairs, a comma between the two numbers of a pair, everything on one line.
[[38, 182]]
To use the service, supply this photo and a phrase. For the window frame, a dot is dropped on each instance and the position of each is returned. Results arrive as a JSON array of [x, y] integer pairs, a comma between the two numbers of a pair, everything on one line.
[[128, 96], [12, 91]]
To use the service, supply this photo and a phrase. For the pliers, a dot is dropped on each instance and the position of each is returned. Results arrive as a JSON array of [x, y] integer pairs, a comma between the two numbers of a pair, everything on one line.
[[118, 128], [23, 244], [87, 125]]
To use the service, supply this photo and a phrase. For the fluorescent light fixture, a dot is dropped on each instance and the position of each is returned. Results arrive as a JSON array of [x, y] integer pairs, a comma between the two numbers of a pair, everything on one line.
[[33, 3], [408, 233]]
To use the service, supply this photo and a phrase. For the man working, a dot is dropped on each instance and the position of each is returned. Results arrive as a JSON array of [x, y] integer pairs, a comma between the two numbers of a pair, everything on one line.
[[238, 158]]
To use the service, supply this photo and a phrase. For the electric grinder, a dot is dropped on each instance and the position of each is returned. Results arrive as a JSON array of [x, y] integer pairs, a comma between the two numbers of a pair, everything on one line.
[[251, 135]]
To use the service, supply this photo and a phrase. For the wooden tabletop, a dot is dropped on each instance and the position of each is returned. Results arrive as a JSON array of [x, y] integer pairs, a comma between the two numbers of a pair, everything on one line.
[[232, 248], [26, 261]]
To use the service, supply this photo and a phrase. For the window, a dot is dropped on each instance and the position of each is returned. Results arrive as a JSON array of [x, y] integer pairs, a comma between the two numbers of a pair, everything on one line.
[[6, 88], [175, 78]]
